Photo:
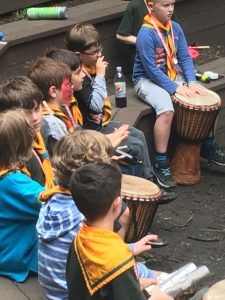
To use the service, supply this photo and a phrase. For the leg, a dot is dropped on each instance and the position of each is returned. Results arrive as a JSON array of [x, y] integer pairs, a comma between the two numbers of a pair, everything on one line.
[[161, 101], [120, 224]]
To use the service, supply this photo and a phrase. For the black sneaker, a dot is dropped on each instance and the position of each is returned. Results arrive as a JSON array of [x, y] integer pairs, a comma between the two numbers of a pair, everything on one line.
[[214, 154], [167, 197], [163, 174]]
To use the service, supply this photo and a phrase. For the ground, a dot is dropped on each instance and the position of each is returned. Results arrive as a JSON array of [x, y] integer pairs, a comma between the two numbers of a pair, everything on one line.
[[194, 225]]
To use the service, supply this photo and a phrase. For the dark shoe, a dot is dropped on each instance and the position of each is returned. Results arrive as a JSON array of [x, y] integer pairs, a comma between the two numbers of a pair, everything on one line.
[[167, 197], [158, 243], [163, 174], [214, 154]]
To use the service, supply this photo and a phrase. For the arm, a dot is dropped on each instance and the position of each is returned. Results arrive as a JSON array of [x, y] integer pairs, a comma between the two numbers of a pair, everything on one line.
[[127, 39]]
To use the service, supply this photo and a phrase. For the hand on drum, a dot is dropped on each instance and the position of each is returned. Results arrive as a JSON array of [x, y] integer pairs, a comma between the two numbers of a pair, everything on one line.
[[197, 88], [191, 90], [143, 244]]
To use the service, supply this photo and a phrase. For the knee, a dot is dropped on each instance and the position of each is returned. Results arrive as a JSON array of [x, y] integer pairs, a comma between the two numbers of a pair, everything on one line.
[[124, 217], [167, 116]]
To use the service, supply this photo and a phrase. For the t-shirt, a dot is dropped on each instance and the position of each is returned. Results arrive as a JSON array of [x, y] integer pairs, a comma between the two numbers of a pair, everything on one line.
[[125, 286]]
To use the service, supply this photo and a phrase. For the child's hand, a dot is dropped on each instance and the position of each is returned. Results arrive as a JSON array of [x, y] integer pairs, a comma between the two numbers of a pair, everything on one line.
[[185, 91], [197, 88], [145, 282], [142, 245], [158, 295], [119, 135], [101, 66]]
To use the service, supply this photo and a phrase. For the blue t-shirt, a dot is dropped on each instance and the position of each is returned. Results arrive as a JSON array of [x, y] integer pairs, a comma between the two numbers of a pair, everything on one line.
[[18, 216]]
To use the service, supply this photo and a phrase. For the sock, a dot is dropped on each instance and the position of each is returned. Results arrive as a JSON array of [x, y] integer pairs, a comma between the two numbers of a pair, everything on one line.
[[159, 157], [207, 144]]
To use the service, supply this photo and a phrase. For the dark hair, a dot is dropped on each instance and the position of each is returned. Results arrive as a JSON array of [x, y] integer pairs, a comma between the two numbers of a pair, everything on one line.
[[19, 92], [94, 187], [82, 37], [16, 136], [45, 72], [64, 56]]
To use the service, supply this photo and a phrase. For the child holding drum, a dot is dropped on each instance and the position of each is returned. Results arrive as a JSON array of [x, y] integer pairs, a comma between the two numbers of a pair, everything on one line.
[[155, 83]]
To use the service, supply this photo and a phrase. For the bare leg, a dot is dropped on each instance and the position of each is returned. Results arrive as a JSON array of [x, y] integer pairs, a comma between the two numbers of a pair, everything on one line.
[[162, 131]]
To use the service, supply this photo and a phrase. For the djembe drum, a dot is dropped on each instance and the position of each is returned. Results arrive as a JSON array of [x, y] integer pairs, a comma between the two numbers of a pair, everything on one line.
[[142, 198], [194, 121]]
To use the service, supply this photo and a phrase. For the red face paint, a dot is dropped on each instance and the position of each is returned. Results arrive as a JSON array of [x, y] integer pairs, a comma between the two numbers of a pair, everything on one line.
[[67, 90]]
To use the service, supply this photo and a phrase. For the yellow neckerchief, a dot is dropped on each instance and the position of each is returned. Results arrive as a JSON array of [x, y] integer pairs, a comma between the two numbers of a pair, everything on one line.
[[60, 114], [77, 116], [47, 194], [39, 147], [5, 171], [169, 42], [102, 256], [107, 110]]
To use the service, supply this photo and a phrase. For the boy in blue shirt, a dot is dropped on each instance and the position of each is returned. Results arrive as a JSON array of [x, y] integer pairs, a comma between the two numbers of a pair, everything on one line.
[[155, 82]]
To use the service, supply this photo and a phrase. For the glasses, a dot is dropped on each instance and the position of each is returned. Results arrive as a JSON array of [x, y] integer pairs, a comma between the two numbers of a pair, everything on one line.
[[95, 52]]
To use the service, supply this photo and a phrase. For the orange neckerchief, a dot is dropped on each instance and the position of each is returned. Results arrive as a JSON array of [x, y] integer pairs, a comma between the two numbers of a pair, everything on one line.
[[172, 72], [102, 256], [77, 116], [107, 110], [60, 114], [45, 195], [39, 147]]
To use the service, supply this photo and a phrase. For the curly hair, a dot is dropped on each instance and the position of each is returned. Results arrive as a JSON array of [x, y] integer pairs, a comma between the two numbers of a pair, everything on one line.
[[77, 149]]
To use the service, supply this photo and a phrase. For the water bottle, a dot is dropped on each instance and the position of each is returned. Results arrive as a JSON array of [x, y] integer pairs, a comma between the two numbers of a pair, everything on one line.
[[120, 88]]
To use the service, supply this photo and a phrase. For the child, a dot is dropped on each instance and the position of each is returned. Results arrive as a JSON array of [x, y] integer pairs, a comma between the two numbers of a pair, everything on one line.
[[84, 40], [99, 264], [155, 83], [19, 194], [59, 219], [21, 92]]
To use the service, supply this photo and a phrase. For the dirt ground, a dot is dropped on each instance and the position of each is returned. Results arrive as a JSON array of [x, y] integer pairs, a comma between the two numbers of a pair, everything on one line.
[[194, 225]]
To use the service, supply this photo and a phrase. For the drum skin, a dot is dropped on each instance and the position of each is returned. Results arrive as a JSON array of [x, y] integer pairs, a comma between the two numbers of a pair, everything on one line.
[[141, 196]]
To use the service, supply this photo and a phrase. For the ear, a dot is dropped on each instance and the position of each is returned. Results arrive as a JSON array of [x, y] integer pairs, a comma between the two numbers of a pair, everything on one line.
[[78, 53], [116, 206], [149, 6], [52, 91]]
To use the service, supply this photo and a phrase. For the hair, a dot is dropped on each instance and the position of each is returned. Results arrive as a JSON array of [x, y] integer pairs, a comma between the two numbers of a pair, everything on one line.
[[82, 37], [45, 72], [77, 149], [16, 136], [64, 56], [19, 92], [94, 188]]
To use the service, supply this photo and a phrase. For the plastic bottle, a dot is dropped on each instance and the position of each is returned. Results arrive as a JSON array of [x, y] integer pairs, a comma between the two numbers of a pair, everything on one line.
[[120, 88], [38, 13], [1, 35]]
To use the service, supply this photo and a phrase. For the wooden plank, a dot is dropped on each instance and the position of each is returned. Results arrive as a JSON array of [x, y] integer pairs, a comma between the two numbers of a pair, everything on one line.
[[12, 5]]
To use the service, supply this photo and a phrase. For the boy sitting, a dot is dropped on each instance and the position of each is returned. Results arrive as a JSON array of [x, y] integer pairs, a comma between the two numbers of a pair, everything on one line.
[[156, 83], [100, 265]]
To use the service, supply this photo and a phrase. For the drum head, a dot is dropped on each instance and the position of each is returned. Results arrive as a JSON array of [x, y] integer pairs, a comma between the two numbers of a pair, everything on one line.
[[139, 188], [210, 100], [216, 292]]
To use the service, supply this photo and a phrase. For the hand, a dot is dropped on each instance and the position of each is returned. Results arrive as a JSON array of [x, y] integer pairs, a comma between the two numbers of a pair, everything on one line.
[[145, 282], [197, 88], [142, 245], [101, 66], [158, 295], [119, 135], [185, 91]]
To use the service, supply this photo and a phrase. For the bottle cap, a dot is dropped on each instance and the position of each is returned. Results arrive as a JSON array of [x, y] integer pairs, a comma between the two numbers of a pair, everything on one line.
[[118, 69], [1, 35]]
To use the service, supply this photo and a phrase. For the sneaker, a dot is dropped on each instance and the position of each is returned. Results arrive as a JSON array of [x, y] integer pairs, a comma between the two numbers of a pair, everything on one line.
[[167, 197], [163, 174], [214, 154]]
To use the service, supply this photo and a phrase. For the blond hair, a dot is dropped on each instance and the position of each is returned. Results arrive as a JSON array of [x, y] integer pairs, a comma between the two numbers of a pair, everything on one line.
[[16, 136], [77, 149]]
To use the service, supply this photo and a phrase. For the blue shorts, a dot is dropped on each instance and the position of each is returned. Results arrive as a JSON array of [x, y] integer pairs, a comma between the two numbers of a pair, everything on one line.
[[154, 95]]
